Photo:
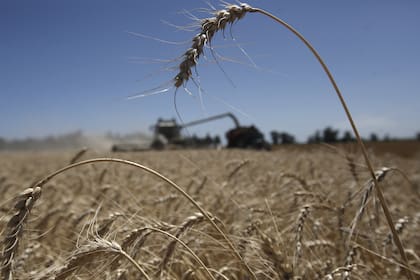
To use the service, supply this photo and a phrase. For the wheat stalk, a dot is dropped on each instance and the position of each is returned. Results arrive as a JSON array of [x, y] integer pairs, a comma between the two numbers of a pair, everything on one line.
[[229, 15]]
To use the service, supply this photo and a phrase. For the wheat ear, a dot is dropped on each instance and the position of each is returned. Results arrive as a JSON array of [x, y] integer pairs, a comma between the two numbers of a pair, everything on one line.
[[282, 269], [349, 263], [106, 224], [132, 244], [206, 269], [233, 13], [78, 155], [24, 203], [188, 223], [135, 239], [379, 175], [400, 225], [91, 251], [304, 213]]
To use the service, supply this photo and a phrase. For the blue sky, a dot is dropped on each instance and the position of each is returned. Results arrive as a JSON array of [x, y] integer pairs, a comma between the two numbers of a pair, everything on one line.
[[69, 65]]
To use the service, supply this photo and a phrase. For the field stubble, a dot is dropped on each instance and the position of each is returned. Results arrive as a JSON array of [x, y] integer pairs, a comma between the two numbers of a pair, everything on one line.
[[290, 214]]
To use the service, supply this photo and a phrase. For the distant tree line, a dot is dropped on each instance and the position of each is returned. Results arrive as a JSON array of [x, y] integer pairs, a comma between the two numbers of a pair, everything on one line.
[[282, 138], [331, 135], [327, 135]]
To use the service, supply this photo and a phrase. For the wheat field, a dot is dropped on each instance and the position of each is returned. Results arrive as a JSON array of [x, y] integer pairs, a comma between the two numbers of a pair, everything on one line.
[[296, 213], [289, 214]]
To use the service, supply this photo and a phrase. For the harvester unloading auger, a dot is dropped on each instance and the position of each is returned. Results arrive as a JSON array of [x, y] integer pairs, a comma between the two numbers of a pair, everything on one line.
[[167, 135]]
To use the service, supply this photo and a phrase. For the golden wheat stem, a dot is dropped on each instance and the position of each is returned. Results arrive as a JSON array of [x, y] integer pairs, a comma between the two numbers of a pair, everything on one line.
[[136, 264], [355, 130], [384, 258]]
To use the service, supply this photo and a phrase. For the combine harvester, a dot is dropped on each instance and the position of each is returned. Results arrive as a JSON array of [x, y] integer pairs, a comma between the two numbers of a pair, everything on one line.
[[167, 135]]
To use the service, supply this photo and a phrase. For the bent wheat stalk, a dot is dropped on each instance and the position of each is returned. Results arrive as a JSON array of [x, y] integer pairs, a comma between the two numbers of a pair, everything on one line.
[[233, 13], [206, 215]]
